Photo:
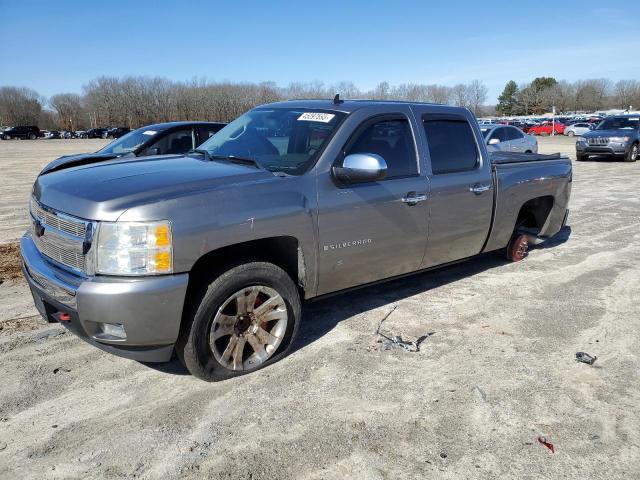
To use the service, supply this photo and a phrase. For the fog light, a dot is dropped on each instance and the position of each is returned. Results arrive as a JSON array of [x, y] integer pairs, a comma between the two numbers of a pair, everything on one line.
[[112, 330]]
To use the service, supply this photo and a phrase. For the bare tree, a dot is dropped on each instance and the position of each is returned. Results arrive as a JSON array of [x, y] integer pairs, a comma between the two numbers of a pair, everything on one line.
[[69, 110], [477, 96], [19, 106], [627, 93]]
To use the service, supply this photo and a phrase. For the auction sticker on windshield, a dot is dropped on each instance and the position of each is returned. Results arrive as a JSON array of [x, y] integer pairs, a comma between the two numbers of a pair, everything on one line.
[[316, 117], [149, 132]]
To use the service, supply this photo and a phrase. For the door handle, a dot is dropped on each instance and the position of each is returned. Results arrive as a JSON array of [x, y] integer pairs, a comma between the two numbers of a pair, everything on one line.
[[478, 188], [412, 199]]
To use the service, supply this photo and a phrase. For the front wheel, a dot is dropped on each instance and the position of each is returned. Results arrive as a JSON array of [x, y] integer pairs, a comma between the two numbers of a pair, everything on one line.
[[582, 158], [246, 319], [632, 155], [570, 133]]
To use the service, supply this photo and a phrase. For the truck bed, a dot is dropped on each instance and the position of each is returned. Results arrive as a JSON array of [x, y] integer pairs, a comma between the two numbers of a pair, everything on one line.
[[517, 157]]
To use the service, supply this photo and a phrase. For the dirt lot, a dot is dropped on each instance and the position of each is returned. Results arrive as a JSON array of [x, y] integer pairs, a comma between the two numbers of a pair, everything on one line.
[[497, 372]]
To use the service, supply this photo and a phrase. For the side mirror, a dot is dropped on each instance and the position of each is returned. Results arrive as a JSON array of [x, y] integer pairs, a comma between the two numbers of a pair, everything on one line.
[[361, 167], [494, 141]]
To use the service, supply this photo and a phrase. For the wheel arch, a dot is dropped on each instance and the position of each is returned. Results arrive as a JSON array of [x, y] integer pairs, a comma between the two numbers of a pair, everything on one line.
[[533, 213], [284, 251]]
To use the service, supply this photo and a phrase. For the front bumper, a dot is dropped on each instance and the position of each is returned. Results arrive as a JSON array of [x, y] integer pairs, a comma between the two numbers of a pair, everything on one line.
[[149, 309], [616, 149]]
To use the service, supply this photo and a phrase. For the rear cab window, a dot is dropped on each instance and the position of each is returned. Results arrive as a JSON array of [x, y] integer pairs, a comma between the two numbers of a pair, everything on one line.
[[451, 144]]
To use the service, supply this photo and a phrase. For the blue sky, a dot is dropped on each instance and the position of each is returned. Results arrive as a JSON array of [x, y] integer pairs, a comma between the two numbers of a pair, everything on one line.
[[57, 46]]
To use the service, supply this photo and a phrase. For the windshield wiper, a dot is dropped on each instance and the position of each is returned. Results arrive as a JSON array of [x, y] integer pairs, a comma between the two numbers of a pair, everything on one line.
[[236, 159], [204, 152]]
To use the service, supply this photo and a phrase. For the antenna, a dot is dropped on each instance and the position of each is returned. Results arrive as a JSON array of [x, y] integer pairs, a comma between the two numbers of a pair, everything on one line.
[[336, 99]]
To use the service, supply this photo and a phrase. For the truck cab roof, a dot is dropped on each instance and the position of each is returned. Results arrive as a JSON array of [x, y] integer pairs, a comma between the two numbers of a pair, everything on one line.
[[346, 106]]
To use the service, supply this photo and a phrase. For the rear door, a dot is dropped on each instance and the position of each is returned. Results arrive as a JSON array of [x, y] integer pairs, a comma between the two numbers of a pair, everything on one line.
[[375, 230], [461, 198]]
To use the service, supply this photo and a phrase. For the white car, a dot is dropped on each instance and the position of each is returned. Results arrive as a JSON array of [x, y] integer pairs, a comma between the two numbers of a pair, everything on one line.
[[506, 138], [578, 129]]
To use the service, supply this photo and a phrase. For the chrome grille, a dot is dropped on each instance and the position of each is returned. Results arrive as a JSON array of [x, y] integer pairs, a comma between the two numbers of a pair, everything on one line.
[[62, 223], [598, 141], [65, 256], [59, 236]]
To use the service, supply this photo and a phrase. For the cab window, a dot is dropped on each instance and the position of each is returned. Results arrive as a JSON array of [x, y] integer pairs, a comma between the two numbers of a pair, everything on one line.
[[393, 141], [452, 145]]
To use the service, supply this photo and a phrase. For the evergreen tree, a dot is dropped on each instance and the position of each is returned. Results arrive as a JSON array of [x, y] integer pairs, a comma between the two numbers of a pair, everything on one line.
[[507, 100]]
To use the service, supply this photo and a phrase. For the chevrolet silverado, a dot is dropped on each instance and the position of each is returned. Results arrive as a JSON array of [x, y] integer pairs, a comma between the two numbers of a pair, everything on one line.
[[210, 254]]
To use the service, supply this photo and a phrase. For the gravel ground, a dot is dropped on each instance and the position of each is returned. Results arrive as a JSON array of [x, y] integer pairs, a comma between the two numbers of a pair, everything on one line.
[[496, 372]]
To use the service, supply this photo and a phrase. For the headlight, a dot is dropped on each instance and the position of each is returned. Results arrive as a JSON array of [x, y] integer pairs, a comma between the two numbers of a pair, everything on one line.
[[619, 139], [134, 248]]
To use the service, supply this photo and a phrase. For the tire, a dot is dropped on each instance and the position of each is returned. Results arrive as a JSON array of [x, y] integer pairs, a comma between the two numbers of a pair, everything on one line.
[[528, 151], [544, 134], [633, 153], [571, 133], [7, 137], [582, 158], [32, 136], [518, 247], [216, 311]]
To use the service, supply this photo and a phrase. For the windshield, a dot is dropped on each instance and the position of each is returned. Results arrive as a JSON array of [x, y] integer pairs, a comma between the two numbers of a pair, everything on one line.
[[129, 142], [624, 123], [279, 139]]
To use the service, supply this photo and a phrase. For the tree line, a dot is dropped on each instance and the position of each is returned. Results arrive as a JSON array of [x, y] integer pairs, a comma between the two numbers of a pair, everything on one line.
[[544, 93], [136, 101]]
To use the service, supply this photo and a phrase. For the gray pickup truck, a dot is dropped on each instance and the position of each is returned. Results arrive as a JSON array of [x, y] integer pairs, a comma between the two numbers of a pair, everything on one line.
[[210, 254], [617, 137]]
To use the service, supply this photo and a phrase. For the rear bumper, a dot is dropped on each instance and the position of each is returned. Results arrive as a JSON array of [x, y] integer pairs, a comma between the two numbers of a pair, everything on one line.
[[149, 309]]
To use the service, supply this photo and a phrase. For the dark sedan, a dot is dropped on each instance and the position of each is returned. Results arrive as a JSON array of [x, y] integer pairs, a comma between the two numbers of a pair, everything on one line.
[[159, 139]]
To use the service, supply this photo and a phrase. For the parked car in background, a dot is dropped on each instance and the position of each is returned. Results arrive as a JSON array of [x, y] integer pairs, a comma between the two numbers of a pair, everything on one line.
[[116, 132], [54, 134], [546, 128], [617, 136], [95, 132], [44, 133], [24, 132], [578, 128], [80, 133], [506, 138], [160, 139]]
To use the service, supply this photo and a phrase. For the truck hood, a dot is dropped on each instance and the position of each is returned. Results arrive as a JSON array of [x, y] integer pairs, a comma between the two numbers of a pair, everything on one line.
[[103, 191], [78, 159], [609, 133]]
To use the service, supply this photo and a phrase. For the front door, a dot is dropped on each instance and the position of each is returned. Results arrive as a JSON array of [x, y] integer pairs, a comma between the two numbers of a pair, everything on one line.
[[371, 231]]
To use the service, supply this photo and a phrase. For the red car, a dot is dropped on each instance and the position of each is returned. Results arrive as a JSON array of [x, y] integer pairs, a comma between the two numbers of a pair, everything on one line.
[[546, 129]]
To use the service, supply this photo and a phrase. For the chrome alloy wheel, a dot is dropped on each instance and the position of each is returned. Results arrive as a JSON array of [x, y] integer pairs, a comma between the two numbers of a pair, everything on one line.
[[248, 328]]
